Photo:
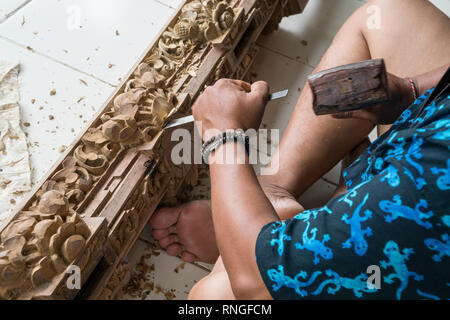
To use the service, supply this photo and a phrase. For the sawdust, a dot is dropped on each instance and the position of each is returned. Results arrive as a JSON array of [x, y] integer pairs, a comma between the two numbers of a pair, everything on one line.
[[26, 124], [5, 183], [180, 267], [51, 117], [142, 280], [52, 92]]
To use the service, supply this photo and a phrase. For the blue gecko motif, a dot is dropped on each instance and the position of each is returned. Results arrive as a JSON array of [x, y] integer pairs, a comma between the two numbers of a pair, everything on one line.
[[316, 246], [352, 193], [358, 284], [397, 209], [392, 177], [403, 117], [443, 182], [446, 220], [397, 150], [282, 236], [443, 248], [281, 280], [397, 262], [418, 182], [306, 215], [443, 135], [414, 151], [427, 295], [356, 232]]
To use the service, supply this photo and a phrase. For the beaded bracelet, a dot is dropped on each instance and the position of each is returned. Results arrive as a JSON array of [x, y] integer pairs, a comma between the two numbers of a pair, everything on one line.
[[228, 136], [413, 87]]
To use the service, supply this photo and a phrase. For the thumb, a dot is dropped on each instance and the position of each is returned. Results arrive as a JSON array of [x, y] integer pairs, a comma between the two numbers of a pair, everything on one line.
[[260, 90]]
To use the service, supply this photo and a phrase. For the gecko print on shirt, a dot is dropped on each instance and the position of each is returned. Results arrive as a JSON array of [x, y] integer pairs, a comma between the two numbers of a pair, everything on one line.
[[394, 218]]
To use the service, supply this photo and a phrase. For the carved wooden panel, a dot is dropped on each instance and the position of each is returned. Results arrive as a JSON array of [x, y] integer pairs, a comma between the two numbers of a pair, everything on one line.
[[90, 208]]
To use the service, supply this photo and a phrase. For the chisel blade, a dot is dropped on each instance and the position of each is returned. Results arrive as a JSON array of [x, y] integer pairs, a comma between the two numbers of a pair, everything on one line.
[[184, 120]]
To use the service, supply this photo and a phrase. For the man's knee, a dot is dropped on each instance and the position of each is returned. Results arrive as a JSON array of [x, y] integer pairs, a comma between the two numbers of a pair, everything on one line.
[[214, 286]]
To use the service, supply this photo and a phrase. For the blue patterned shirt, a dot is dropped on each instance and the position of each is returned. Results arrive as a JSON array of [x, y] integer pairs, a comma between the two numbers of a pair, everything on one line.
[[392, 226]]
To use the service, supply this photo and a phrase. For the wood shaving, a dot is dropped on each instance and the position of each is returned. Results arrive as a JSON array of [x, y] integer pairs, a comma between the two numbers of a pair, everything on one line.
[[4, 183]]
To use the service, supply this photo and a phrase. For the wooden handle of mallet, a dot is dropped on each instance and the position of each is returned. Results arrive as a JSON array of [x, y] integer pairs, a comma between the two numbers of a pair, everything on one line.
[[351, 87]]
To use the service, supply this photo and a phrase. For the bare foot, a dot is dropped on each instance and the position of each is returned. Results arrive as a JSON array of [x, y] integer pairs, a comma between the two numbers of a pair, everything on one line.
[[347, 161], [186, 230]]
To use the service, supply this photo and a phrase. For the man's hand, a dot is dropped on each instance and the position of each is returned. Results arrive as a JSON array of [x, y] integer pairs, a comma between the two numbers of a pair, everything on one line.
[[231, 104], [401, 97]]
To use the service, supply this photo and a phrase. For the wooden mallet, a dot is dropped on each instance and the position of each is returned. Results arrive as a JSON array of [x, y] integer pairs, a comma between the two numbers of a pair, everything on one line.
[[350, 87]]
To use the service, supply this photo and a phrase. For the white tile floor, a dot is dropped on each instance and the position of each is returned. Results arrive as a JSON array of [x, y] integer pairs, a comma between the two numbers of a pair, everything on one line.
[[78, 40]]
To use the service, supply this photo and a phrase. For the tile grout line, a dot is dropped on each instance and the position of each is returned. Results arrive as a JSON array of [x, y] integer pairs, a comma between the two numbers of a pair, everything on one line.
[[56, 61], [286, 56], [9, 15], [164, 4]]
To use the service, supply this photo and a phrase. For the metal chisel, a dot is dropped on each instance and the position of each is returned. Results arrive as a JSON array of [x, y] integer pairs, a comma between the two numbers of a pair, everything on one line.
[[184, 120]]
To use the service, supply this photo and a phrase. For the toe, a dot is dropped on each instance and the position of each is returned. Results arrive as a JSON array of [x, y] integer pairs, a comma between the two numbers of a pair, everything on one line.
[[159, 234], [165, 217], [188, 257], [167, 241], [174, 249]]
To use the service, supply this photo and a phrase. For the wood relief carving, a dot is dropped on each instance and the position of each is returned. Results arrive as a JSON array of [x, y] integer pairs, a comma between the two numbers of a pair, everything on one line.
[[114, 177]]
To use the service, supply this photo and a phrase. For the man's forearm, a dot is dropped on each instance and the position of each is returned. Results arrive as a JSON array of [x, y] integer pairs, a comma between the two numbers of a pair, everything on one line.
[[240, 210]]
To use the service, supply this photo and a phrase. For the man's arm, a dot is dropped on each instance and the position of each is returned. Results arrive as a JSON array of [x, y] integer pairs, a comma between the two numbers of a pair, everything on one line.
[[240, 207]]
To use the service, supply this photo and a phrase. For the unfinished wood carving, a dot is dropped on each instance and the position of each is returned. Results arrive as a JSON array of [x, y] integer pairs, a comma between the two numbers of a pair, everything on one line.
[[104, 177]]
